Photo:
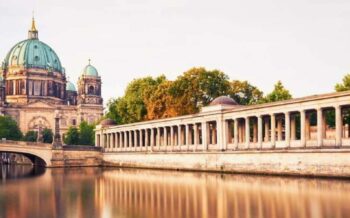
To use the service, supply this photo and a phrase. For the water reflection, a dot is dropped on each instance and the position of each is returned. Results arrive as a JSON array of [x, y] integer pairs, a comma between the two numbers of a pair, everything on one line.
[[93, 192], [10, 171]]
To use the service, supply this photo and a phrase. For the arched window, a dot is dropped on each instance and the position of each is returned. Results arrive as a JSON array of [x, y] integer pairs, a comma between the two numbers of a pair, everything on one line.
[[91, 90]]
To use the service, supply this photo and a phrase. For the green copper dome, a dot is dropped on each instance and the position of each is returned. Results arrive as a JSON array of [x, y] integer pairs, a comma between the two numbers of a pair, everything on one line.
[[70, 87], [90, 70], [32, 53]]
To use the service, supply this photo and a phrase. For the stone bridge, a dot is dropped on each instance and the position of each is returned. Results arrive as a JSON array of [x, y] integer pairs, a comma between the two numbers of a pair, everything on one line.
[[46, 155]]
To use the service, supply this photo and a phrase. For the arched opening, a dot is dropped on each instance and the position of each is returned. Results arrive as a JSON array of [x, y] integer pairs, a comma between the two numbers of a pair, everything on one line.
[[91, 90], [36, 161]]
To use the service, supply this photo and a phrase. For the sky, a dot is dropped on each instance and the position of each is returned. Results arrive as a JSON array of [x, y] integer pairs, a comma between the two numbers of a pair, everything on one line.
[[303, 43]]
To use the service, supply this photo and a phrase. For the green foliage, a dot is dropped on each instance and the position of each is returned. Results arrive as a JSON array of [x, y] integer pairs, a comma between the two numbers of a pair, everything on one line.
[[279, 93], [31, 136], [72, 136], [198, 87], [154, 98], [9, 129], [345, 85], [244, 93], [47, 135], [86, 134]]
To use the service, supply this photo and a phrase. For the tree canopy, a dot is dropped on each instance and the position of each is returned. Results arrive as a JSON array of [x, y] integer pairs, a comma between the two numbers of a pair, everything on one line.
[[244, 93], [9, 128], [345, 85], [72, 136], [30, 136], [279, 93], [47, 135], [151, 98], [84, 135]]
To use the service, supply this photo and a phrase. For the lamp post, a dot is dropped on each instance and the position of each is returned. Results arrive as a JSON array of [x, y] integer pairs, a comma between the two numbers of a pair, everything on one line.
[[57, 142]]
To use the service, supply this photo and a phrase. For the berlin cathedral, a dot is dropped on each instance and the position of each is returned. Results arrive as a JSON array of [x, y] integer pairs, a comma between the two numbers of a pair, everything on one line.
[[34, 88]]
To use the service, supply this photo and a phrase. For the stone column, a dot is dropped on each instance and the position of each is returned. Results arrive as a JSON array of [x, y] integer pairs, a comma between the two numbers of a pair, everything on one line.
[[273, 130], [204, 136], [125, 140], [120, 140], [187, 136], [260, 131], [247, 133], [172, 137], [141, 139], [152, 139], [338, 126], [158, 138], [302, 128], [165, 131], [179, 136], [195, 136], [287, 129], [235, 133], [221, 134], [319, 127], [146, 139], [227, 135]]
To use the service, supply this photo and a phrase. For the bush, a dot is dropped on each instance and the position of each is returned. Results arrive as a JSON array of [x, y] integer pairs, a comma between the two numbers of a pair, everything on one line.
[[47, 135], [31, 136]]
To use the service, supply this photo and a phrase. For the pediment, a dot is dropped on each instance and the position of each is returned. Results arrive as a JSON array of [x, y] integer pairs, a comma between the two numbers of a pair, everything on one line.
[[40, 104]]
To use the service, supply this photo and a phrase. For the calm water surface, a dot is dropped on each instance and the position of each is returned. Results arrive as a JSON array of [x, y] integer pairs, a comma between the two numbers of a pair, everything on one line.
[[96, 192]]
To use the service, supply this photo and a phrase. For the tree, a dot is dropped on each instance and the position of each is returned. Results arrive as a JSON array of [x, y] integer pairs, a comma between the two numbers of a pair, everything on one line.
[[72, 136], [345, 85], [160, 103], [131, 107], [279, 93], [198, 87], [9, 128], [31, 136], [244, 93], [47, 135], [86, 134]]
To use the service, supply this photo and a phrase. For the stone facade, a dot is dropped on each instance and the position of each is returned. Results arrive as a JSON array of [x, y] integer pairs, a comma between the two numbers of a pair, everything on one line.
[[34, 87]]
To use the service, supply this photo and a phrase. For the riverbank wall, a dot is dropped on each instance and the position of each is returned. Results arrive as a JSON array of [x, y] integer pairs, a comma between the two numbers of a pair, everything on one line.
[[305, 162]]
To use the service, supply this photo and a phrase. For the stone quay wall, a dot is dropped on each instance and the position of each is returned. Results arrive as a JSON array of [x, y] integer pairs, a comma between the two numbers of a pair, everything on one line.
[[310, 162]]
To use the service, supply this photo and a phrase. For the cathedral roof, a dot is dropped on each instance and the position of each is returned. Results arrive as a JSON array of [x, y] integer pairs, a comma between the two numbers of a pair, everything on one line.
[[90, 70], [33, 53], [70, 86]]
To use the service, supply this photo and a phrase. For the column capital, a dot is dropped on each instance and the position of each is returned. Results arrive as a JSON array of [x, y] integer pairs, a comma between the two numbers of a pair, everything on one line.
[[287, 113]]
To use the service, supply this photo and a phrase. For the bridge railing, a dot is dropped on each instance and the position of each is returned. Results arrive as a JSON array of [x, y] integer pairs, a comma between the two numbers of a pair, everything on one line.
[[23, 143]]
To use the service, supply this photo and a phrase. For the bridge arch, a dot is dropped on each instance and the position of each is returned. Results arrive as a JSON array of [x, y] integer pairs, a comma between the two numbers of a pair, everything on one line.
[[39, 155]]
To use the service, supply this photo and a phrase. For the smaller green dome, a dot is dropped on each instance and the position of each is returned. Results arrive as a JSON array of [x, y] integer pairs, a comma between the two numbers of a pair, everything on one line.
[[70, 87], [90, 70]]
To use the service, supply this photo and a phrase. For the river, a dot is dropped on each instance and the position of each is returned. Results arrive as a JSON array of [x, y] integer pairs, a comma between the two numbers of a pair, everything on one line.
[[112, 192]]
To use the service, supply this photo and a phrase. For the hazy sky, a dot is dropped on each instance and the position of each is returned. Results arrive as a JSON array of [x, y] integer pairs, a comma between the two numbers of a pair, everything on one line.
[[304, 43]]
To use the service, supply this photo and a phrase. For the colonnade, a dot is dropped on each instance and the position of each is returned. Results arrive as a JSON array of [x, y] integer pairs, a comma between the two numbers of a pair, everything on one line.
[[315, 122], [181, 137]]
